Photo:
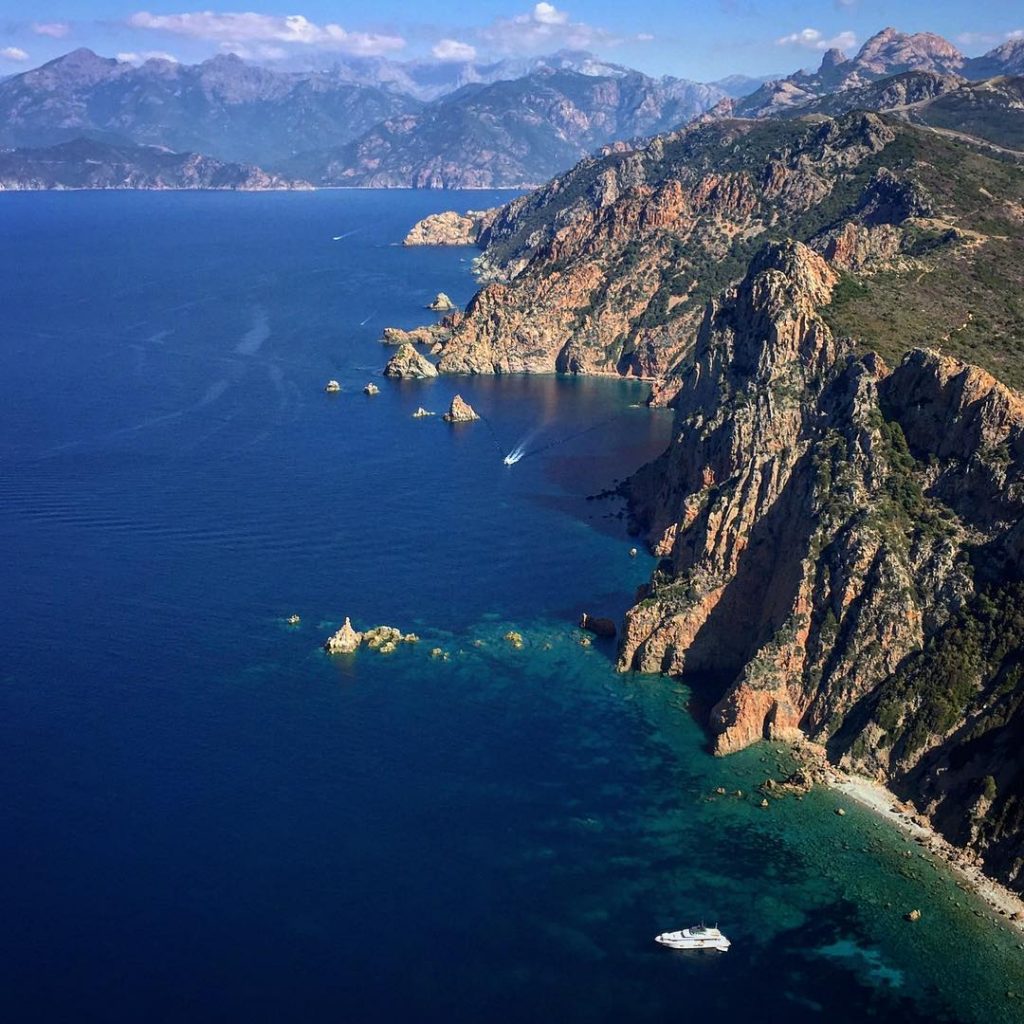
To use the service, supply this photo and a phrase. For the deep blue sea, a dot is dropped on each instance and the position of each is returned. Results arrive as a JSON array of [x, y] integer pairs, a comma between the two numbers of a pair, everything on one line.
[[205, 818]]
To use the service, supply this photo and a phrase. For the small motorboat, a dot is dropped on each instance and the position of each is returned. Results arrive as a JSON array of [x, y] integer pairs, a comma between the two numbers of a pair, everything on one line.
[[697, 937]]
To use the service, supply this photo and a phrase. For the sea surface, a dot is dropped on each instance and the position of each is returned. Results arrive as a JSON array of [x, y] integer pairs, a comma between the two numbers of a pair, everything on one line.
[[205, 818]]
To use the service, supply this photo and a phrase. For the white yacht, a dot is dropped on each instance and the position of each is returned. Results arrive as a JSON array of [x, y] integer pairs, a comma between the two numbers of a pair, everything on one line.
[[697, 937]]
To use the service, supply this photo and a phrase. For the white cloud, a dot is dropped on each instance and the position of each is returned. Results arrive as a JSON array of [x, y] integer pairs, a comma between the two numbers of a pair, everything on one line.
[[988, 38], [14, 53], [545, 28], [813, 39], [140, 58], [249, 27], [453, 50], [53, 29], [548, 14]]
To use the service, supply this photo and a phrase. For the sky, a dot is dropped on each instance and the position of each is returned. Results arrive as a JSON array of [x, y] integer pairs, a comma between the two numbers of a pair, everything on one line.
[[703, 40]]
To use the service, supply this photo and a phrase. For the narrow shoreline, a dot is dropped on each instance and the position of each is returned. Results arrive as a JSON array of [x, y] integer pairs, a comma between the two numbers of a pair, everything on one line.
[[1006, 904]]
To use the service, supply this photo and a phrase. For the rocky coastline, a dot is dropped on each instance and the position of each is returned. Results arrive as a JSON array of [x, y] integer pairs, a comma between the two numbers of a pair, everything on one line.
[[838, 519]]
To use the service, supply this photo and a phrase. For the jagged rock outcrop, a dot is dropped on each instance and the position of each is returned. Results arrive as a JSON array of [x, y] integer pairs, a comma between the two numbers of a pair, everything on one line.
[[410, 364], [841, 553], [450, 228], [460, 411]]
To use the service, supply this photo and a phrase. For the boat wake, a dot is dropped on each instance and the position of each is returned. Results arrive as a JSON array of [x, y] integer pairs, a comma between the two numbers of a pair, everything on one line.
[[515, 455]]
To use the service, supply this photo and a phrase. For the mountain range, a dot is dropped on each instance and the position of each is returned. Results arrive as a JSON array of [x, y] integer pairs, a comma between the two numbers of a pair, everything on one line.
[[384, 123]]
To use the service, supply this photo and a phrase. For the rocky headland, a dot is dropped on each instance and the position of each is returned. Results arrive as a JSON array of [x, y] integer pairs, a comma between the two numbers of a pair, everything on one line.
[[838, 518], [841, 554], [608, 269], [451, 228]]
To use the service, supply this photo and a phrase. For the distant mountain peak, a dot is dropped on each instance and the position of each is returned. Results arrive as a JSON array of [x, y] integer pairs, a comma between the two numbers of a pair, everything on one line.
[[832, 59], [890, 50]]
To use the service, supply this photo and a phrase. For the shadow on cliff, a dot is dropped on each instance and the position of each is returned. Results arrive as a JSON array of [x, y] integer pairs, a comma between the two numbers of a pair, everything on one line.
[[760, 597]]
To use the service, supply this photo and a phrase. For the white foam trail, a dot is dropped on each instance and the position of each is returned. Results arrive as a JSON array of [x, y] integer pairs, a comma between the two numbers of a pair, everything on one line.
[[515, 455]]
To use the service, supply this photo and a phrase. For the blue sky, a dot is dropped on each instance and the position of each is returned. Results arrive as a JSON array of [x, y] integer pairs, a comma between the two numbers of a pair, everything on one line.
[[703, 40]]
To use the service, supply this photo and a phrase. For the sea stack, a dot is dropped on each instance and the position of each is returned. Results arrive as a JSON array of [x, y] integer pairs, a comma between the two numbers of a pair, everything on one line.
[[442, 304], [345, 641], [371, 389], [332, 387], [408, 364], [460, 411]]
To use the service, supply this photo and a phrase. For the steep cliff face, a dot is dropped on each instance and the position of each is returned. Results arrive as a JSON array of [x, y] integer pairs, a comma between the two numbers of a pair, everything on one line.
[[830, 533], [607, 269]]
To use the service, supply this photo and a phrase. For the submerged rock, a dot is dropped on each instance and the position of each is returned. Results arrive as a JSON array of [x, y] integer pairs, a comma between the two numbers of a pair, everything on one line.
[[514, 638], [913, 915], [293, 620], [345, 641], [460, 411], [407, 363], [599, 627], [332, 387], [442, 304]]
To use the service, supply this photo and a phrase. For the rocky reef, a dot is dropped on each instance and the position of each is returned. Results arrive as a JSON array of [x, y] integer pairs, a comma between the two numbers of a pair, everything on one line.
[[409, 364], [841, 552], [382, 639]]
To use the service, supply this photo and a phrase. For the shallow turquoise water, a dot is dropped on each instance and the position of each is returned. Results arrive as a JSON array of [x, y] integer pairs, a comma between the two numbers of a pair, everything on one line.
[[207, 819]]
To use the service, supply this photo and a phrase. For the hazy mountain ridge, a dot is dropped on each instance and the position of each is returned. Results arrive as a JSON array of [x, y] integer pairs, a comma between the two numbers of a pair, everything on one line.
[[223, 107], [94, 164], [386, 123], [510, 133]]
